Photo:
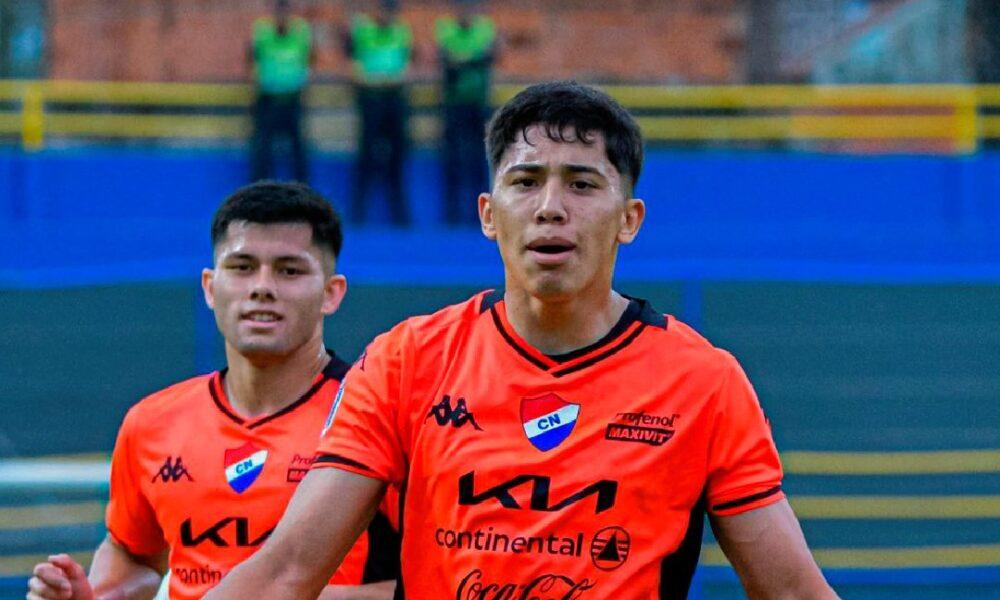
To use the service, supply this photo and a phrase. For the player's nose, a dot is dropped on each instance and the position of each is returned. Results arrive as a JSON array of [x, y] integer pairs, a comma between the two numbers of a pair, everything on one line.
[[551, 204], [263, 286]]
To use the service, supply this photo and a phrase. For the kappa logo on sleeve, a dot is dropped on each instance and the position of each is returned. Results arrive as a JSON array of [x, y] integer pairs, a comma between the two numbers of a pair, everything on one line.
[[445, 414], [172, 471]]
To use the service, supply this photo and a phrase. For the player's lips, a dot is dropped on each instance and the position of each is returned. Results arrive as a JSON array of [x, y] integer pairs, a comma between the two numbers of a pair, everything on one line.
[[262, 317], [551, 250]]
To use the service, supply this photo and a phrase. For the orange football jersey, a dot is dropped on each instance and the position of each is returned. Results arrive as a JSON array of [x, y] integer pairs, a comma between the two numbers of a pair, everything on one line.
[[583, 475], [190, 475]]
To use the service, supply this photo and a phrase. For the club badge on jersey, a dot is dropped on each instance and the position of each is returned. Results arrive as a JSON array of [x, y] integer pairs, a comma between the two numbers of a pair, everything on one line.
[[244, 466], [548, 420]]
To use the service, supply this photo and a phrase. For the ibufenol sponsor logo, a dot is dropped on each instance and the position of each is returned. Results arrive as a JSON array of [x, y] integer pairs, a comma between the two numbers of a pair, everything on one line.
[[641, 428]]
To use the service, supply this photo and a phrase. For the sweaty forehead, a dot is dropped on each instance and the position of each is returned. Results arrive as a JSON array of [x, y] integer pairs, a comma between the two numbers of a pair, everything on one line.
[[535, 146]]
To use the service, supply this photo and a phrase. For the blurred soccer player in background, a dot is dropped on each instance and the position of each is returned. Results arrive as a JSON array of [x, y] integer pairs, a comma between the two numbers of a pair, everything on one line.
[[280, 54], [381, 50], [203, 470], [555, 438], [467, 50]]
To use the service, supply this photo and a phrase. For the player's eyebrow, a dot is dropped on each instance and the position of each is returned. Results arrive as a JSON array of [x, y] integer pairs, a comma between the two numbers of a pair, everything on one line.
[[237, 256], [527, 167], [584, 169]]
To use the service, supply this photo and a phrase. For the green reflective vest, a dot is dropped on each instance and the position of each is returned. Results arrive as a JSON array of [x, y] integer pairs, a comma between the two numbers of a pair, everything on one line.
[[281, 62], [381, 54], [467, 51]]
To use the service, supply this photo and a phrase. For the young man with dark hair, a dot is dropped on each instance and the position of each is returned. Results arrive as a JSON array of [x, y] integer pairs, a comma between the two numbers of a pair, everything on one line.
[[203, 470], [554, 439]]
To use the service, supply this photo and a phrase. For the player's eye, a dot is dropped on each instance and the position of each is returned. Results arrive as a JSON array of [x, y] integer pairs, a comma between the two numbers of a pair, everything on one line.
[[581, 184], [291, 271], [525, 182], [239, 267]]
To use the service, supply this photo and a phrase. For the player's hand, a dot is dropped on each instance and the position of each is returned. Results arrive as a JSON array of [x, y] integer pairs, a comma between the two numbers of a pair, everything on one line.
[[61, 578]]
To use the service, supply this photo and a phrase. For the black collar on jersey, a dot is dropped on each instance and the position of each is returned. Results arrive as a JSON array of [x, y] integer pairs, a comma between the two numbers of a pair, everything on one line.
[[334, 370], [638, 315]]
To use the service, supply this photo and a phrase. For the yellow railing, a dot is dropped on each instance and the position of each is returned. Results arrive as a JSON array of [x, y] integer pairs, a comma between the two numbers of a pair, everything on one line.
[[942, 117]]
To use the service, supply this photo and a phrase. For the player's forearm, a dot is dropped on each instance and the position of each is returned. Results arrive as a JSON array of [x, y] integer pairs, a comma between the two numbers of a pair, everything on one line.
[[117, 575], [382, 590], [272, 578]]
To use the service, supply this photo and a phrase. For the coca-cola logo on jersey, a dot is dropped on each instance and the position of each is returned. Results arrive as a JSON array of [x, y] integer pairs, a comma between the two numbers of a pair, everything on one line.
[[544, 587]]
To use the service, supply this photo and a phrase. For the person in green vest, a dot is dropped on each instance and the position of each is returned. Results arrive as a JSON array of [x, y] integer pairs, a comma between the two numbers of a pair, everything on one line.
[[467, 50], [381, 49], [280, 54]]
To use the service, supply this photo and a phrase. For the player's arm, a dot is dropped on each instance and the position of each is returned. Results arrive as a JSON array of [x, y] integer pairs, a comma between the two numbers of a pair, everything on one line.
[[115, 574], [382, 590], [769, 553], [328, 512]]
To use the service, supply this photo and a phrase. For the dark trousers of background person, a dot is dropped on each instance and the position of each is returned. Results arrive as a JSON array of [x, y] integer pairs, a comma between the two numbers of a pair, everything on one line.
[[382, 148], [276, 116], [463, 161]]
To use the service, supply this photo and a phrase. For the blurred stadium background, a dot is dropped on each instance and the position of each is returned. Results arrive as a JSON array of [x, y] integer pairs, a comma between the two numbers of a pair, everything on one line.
[[823, 186]]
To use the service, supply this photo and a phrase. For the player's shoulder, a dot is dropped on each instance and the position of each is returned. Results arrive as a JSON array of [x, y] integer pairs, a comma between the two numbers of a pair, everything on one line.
[[169, 402], [426, 331], [681, 343]]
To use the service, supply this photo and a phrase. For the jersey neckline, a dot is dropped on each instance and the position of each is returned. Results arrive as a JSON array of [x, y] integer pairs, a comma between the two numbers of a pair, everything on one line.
[[638, 315], [334, 370]]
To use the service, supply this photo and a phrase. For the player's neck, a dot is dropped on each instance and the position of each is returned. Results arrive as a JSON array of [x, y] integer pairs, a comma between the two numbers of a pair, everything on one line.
[[558, 327], [255, 389]]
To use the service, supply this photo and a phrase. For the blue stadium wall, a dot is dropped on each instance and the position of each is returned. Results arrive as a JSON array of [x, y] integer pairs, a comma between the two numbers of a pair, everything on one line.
[[100, 251]]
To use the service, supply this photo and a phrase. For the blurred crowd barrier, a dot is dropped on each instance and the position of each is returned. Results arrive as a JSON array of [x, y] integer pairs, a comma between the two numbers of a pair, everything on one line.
[[865, 118]]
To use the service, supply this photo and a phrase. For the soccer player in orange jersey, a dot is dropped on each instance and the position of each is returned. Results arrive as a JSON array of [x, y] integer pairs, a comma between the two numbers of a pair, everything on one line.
[[554, 439], [203, 470]]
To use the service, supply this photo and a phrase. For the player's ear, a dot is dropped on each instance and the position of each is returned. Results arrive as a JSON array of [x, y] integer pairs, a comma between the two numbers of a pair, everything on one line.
[[486, 215], [207, 282], [631, 220], [333, 293]]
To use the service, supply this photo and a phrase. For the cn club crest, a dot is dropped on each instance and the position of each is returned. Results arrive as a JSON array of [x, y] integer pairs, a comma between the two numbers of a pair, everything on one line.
[[243, 466], [548, 420]]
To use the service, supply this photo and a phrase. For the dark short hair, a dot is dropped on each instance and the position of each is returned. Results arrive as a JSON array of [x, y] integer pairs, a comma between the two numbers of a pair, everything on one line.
[[570, 112], [267, 202]]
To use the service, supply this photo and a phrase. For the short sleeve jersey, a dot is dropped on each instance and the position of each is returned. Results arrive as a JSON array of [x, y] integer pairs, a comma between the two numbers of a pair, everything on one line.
[[584, 475], [189, 475]]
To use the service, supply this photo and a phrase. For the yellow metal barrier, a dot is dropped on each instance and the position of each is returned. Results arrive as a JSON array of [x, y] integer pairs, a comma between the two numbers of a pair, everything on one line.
[[942, 117]]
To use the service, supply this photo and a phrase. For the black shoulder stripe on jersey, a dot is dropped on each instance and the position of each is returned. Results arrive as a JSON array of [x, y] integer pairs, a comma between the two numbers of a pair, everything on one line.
[[336, 459], [677, 568], [513, 344], [218, 401], [336, 368], [490, 300], [630, 315], [748, 499], [382, 563], [590, 361], [650, 316]]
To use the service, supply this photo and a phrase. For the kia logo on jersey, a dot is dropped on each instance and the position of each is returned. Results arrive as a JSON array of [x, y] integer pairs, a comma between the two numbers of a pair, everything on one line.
[[548, 420], [243, 466]]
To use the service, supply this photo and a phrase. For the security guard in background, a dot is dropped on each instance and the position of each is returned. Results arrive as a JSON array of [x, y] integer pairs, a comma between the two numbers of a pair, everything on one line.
[[467, 48], [381, 49], [281, 53]]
